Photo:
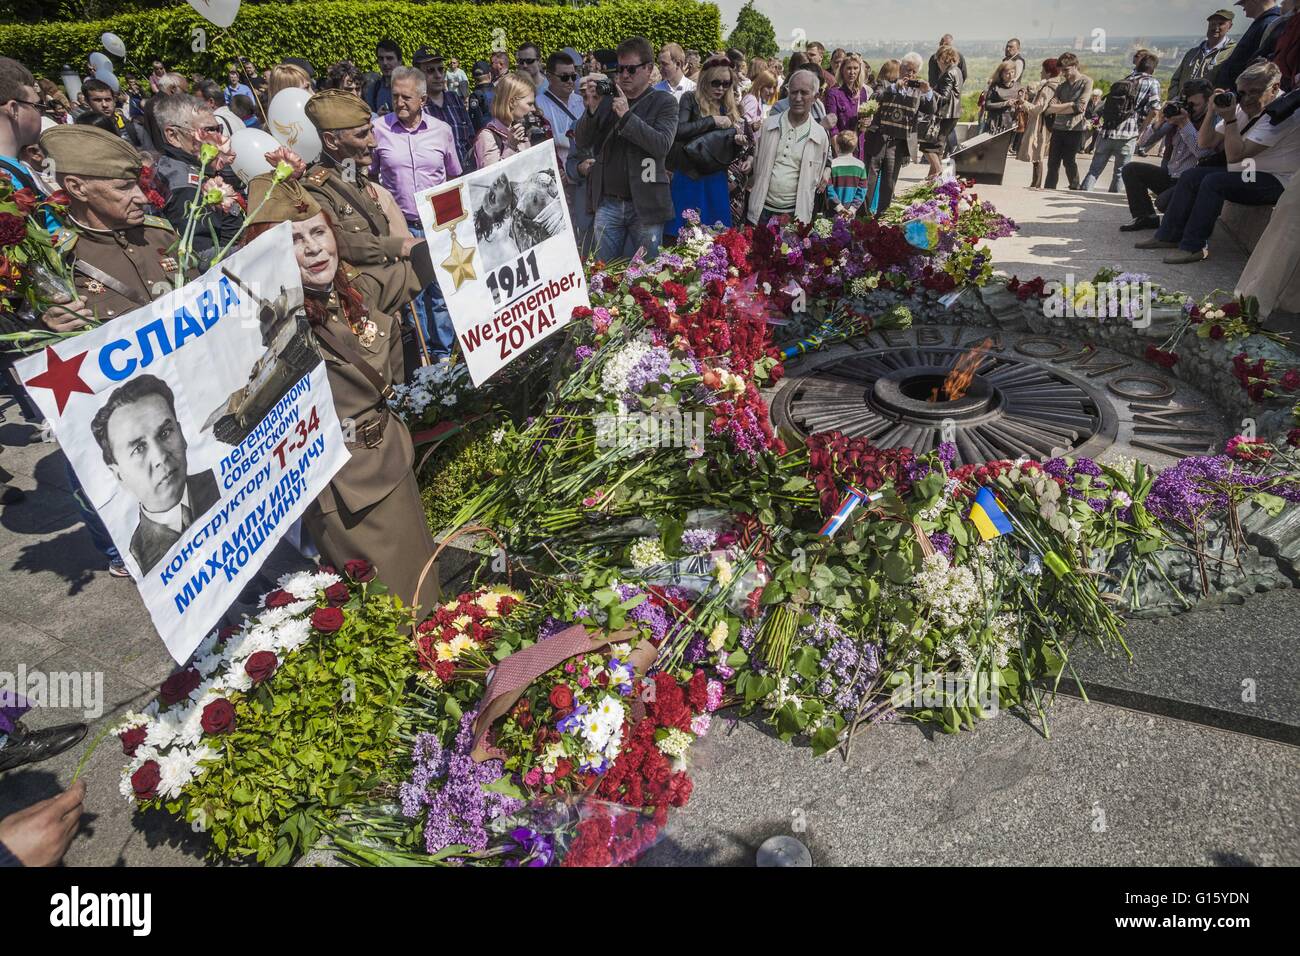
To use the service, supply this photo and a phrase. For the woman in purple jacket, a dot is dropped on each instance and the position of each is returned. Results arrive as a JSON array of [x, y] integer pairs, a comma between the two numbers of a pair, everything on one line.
[[845, 100]]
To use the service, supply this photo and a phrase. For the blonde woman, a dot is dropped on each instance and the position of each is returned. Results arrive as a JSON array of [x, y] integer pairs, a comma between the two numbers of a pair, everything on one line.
[[1000, 98], [1036, 139], [946, 105], [286, 76], [846, 99], [701, 183], [514, 118]]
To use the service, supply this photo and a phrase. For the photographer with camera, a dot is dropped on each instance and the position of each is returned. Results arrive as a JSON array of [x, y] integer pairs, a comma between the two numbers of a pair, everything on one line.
[[629, 129], [1262, 154], [1178, 129], [515, 125]]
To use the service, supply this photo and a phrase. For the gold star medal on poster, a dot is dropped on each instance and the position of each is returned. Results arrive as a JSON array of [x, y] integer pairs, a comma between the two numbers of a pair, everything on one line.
[[448, 211]]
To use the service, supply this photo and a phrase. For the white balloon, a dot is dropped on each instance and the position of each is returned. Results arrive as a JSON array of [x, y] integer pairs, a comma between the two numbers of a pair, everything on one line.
[[113, 44], [98, 61], [219, 13], [288, 122], [105, 75], [250, 147]]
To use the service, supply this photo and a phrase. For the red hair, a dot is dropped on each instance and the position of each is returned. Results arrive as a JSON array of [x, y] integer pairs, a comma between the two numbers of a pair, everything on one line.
[[354, 306], [1052, 67]]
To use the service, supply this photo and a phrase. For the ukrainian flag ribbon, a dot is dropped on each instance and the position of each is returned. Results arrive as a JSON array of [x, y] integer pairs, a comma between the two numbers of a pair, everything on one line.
[[988, 516]]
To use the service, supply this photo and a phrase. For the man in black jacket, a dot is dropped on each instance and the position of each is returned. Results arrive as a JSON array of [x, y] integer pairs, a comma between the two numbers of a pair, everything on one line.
[[1261, 13], [629, 134]]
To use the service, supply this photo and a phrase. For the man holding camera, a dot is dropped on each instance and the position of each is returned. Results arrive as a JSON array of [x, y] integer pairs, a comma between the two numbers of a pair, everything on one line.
[[629, 129], [1178, 129], [1262, 150]]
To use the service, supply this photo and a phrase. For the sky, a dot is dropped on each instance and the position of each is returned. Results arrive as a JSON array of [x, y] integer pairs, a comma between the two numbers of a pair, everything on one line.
[[841, 21]]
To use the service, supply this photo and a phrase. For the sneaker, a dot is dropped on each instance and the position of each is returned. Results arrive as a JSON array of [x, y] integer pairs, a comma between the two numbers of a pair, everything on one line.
[[1155, 244], [1182, 258], [117, 569], [1141, 223]]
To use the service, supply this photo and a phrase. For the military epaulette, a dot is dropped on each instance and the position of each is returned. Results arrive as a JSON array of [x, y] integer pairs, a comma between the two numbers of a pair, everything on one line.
[[351, 272], [318, 175], [158, 222]]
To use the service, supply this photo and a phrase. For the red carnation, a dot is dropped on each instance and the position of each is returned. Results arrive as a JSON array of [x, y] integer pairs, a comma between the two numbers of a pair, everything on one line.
[[1232, 310], [359, 571], [1216, 332], [561, 697], [13, 229], [177, 687], [132, 739], [144, 782], [1291, 379], [218, 717], [279, 598], [327, 620], [337, 594], [445, 670], [261, 665]]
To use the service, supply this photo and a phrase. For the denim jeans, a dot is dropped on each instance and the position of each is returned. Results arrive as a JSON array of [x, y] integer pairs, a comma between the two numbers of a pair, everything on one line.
[[618, 233], [1199, 197], [431, 312], [1121, 149], [94, 524]]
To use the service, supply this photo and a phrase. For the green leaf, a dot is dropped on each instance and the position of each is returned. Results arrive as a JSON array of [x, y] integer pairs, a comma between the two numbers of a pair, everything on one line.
[[504, 786]]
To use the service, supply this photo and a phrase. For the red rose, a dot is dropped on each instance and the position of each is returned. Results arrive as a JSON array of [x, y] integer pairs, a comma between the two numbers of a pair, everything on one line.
[[337, 594], [359, 571], [261, 665], [1216, 332], [445, 670], [145, 780], [13, 229], [562, 768], [279, 598], [561, 697], [1232, 310], [327, 620], [177, 687], [26, 200], [218, 717], [132, 739]]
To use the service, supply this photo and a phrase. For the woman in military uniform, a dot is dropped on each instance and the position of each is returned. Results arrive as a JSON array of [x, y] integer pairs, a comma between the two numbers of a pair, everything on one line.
[[371, 509]]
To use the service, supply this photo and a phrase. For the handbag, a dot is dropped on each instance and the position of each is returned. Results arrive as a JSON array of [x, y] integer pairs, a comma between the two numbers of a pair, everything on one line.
[[711, 152], [927, 127]]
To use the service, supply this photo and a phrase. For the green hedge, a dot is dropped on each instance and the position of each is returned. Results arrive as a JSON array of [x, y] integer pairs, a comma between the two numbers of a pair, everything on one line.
[[333, 30]]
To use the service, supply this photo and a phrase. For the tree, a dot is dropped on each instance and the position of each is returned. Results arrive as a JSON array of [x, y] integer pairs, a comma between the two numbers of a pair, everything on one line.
[[753, 35]]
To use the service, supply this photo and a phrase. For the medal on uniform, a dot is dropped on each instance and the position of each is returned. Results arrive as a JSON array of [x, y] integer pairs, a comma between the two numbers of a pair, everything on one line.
[[94, 285], [448, 209], [367, 333], [168, 263]]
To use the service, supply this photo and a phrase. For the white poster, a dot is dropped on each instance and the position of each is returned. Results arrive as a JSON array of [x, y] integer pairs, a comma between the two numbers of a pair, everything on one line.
[[506, 256], [200, 426]]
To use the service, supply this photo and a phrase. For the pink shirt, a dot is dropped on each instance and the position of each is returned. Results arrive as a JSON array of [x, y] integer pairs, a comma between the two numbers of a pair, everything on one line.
[[407, 161]]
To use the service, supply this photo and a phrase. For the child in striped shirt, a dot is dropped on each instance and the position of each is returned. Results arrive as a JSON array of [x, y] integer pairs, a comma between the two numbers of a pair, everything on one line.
[[848, 188]]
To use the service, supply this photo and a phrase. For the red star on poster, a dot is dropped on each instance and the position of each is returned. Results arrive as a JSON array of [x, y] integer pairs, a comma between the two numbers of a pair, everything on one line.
[[60, 377]]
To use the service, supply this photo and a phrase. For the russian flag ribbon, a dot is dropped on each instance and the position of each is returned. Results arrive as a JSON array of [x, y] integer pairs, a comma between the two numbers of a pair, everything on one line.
[[852, 498]]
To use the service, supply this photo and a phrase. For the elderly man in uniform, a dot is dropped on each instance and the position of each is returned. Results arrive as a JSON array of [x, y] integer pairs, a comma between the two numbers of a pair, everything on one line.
[[121, 258]]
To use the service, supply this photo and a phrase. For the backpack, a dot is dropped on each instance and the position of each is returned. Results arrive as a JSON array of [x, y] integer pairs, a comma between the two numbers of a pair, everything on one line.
[[1120, 103]]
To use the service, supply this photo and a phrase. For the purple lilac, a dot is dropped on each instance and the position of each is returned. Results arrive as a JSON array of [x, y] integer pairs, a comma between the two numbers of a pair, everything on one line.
[[942, 542], [457, 811], [698, 540], [583, 352], [1186, 492]]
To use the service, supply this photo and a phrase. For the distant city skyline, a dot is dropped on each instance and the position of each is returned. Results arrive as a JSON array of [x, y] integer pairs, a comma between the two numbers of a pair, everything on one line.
[[840, 22]]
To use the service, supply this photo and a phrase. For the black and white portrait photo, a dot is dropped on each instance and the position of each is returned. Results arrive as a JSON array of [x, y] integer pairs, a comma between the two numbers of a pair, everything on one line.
[[514, 212], [144, 447]]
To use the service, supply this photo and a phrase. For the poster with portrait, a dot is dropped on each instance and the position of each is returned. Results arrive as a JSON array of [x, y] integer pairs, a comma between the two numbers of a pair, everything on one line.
[[506, 256], [200, 426]]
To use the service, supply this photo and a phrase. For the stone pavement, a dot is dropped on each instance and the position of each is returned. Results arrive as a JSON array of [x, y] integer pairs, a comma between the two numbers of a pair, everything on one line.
[[1110, 786]]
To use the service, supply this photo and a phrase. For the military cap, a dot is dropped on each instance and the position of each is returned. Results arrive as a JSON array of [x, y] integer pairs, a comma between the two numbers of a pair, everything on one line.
[[337, 109], [1224, 14], [278, 202], [90, 151], [425, 55]]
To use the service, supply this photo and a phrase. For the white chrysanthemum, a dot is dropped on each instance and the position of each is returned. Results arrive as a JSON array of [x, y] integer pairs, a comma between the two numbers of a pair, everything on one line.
[[249, 642], [459, 645], [290, 636], [237, 679], [300, 584], [176, 769], [162, 731], [443, 652], [610, 712], [207, 645], [206, 665], [324, 579], [273, 617], [132, 719]]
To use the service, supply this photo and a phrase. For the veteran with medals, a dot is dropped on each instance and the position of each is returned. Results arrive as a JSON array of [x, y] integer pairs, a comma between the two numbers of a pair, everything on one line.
[[372, 508]]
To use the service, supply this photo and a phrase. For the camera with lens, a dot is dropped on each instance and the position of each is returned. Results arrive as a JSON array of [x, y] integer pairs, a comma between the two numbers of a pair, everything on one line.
[[1175, 107], [604, 84], [1224, 99], [535, 128]]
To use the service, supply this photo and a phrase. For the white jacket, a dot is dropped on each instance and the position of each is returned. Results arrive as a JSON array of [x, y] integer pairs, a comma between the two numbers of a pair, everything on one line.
[[816, 151]]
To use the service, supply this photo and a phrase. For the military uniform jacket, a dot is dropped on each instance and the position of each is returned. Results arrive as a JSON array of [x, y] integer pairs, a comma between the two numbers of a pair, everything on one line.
[[361, 225], [120, 270], [371, 473]]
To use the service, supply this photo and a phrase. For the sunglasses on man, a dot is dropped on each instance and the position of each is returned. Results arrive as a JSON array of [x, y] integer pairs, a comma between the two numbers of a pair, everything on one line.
[[527, 60], [628, 69], [564, 77]]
